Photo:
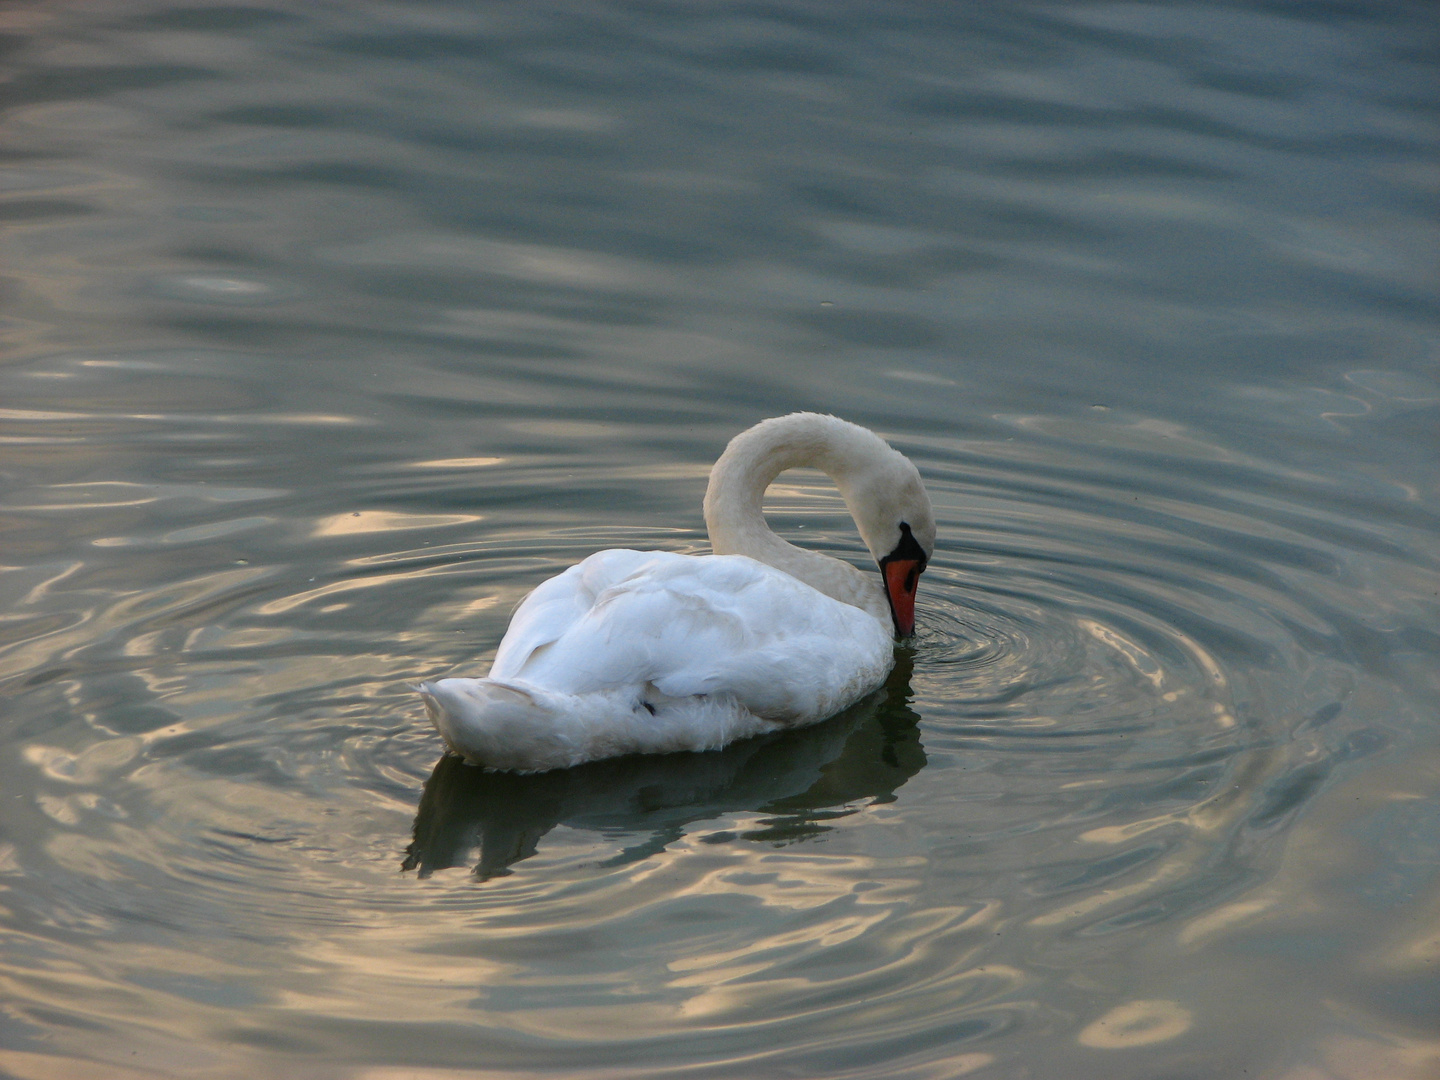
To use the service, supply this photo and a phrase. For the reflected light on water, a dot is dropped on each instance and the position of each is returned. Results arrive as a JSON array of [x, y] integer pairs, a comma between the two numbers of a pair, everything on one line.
[[1136, 1023], [372, 521]]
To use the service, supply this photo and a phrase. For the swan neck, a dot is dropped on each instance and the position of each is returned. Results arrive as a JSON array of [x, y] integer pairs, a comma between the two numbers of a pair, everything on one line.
[[734, 501]]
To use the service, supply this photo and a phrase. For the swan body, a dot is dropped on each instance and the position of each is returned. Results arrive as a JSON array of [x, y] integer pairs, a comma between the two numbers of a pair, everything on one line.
[[651, 651]]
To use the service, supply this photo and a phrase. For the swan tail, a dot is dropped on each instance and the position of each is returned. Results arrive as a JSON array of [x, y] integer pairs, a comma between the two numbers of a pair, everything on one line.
[[514, 726], [500, 725]]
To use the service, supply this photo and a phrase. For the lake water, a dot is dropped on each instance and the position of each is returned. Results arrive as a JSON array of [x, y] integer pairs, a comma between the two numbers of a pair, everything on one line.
[[331, 329]]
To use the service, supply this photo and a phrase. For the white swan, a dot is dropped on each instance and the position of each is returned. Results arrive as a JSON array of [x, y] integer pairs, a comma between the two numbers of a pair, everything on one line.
[[651, 652]]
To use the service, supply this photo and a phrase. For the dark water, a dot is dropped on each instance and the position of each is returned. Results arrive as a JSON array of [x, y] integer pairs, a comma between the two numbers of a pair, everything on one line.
[[331, 329]]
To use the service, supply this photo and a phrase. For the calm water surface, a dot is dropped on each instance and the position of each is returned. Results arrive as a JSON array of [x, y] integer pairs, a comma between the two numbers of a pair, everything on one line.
[[332, 329]]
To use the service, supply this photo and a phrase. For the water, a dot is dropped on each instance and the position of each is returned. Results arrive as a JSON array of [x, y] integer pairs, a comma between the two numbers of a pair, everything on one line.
[[332, 329]]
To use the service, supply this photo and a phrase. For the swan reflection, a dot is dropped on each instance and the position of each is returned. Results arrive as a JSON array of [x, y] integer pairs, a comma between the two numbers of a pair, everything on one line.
[[800, 779]]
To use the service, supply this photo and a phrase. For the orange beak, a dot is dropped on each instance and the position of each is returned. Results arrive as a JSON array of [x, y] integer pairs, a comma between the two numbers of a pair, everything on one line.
[[902, 579]]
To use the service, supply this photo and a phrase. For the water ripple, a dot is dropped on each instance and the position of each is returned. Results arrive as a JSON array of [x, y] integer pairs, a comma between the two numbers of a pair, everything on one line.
[[331, 332]]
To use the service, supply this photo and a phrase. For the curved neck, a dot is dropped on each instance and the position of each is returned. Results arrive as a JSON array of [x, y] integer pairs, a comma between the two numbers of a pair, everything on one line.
[[734, 500]]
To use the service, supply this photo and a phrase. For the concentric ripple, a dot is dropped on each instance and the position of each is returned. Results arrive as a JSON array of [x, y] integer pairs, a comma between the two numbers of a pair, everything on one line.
[[1122, 672], [1093, 700]]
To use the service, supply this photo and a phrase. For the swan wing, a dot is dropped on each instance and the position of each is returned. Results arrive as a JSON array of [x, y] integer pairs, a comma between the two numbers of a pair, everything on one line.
[[679, 626], [559, 603]]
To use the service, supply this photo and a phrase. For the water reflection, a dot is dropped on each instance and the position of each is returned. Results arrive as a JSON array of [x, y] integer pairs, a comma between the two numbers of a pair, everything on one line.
[[800, 778]]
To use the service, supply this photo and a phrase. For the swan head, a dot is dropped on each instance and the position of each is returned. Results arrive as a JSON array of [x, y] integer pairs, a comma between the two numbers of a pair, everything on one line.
[[893, 512]]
